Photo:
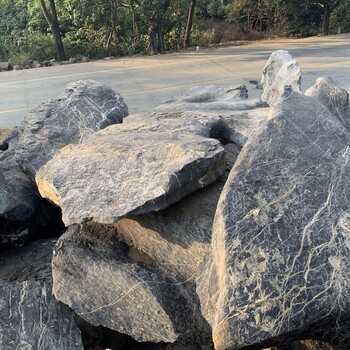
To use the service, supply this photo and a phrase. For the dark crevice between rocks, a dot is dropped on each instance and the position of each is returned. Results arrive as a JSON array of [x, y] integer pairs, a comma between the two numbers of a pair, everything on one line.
[[47, 223]]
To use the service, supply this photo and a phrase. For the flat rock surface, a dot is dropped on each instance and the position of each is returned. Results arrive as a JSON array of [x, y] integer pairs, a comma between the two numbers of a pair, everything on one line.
[[145, 164], [83, 108], [280, 70], [280, 248], [211, 98], [30, 318]]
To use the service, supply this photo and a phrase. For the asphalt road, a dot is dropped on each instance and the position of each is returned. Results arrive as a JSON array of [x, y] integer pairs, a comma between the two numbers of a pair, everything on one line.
[[146, 81]]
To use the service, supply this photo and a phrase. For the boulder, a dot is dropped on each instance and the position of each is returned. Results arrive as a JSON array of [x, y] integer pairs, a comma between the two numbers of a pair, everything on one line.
[[95, 275], [211, 98], [163, 248], [280, 70], [145, 164], [30, 318], [83, 108], [334, 97], [4, 66], [279, 266], [22, 211]]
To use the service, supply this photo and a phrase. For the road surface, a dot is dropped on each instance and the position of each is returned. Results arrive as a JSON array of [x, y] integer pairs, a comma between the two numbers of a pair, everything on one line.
[[146, 81]]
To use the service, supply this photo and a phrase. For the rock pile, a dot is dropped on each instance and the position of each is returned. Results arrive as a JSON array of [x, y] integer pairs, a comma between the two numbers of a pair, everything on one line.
[[214, 222]]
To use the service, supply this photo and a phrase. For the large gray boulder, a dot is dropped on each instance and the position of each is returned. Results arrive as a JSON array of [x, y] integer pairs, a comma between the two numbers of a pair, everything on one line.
[[211, 98], [334, 97], [279, 266], [21, 207], [145, 164], [280, 70], [84, 107], [30, 317], [160, 247], [100, 279]]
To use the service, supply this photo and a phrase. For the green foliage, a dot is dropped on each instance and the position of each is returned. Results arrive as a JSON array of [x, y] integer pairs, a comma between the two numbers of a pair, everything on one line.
[[122, 27]]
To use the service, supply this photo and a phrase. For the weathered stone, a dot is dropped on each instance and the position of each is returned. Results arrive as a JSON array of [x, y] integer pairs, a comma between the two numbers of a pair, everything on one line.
[[83, 108], [240, 124], [333, 97], [280, 70], [94, 274], [4, 66], [171, 242], [306, 345], [280, 248], [211, 98], [31, 262], [145, 164], [37, 64], [30, 318]]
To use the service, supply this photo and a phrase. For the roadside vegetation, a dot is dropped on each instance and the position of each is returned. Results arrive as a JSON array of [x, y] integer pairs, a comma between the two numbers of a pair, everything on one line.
[[62, 29]]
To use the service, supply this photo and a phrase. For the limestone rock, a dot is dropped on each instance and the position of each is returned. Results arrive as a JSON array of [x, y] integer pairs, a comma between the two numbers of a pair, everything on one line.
[[94, 274], [145, 164], [30, 318], [279, 265], [333, 97], [211, 98], [171, 243], [83, 108], [280, 70]]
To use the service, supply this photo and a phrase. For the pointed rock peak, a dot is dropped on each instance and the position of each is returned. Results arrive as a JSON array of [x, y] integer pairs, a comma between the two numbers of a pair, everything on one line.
[[280, 70], [334, 97]]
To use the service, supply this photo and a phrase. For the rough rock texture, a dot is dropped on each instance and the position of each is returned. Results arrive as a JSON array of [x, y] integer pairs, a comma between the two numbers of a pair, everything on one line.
[[4, 136], [240, 124], [333, 97], [142, 165], [30, 318], [83, 108], [96, 276], [21, 208], [31, 262], [305, 345], [162, 248], [280, 248], [211, 98], [280, 70]]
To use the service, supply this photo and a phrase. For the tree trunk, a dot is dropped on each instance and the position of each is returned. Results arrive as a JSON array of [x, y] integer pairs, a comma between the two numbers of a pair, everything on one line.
[[52, 20], [111, 31], [152, 45], [189, 24], [135, 29], [325, 19]]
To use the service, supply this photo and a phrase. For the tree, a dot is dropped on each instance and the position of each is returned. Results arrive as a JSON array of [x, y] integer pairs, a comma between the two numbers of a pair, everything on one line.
[[189, 23], [52, 20], [328, 7]]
